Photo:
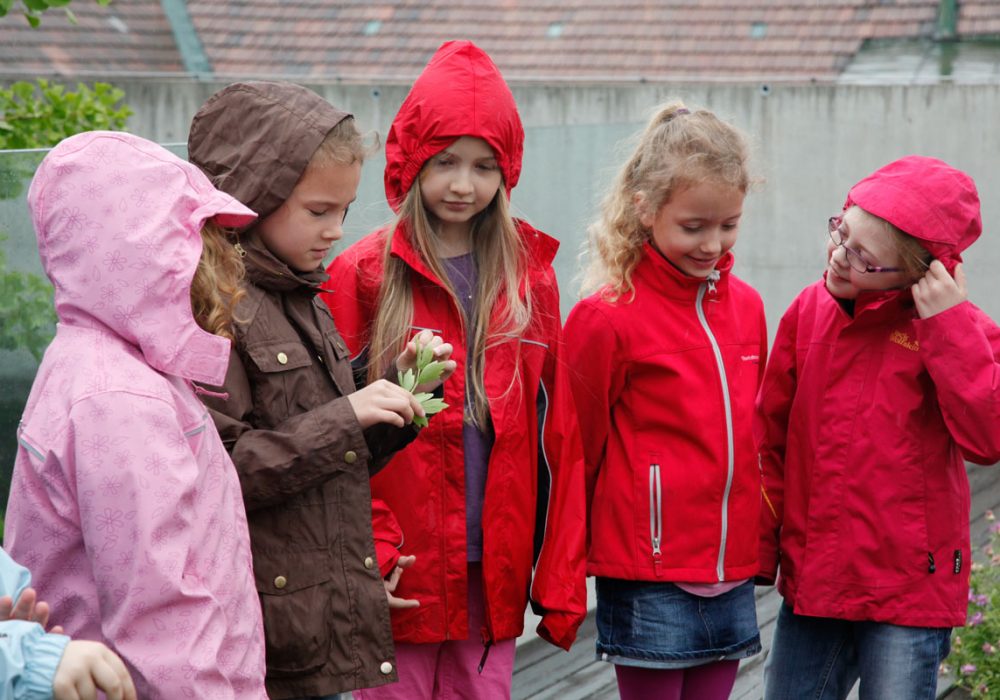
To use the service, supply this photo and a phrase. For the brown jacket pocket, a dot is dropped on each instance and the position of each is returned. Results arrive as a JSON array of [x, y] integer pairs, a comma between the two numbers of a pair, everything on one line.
[[295, 590]]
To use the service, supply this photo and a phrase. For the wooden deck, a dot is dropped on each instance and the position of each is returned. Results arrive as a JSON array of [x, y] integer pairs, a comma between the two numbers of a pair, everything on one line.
[[543, 672]]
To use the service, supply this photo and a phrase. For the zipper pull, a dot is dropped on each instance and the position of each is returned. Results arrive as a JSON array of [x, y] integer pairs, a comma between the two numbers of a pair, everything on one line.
[[486, 652], [931, 567], [712, 278]]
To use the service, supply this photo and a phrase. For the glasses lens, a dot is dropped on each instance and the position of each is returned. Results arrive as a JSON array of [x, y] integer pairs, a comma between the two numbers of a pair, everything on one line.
[[855, 260]]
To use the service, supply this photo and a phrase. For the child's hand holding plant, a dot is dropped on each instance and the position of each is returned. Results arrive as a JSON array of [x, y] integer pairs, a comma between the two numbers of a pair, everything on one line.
[[423, 366]]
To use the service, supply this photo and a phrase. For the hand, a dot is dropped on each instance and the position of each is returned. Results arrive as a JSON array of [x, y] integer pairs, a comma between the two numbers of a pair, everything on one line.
[[27, 608], [936, 291], [87, 667], [393, 581], [442, 353], [384, 402]]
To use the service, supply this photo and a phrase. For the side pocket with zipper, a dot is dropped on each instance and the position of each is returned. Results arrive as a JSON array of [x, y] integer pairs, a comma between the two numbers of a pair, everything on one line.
[[655, 515]]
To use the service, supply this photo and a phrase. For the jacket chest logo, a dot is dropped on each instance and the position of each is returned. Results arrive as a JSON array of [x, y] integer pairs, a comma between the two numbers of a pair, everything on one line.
[[901, 338]]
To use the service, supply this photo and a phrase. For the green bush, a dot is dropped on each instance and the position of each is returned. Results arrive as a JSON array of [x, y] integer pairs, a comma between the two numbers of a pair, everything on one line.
[[27, 316], [975, 655], [40, 115], [33, 8]]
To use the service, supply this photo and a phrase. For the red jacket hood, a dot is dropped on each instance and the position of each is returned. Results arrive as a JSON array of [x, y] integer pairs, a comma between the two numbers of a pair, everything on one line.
[[927, 199], [460, 93]]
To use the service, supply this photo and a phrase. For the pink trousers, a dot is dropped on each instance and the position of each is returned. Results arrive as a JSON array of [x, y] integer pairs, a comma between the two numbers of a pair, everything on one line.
[[450, 670]]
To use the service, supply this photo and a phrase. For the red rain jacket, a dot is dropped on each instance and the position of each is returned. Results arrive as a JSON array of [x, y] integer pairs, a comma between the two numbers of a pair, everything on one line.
[[534, 489], [864, 421], [666, 386], [534, 510]]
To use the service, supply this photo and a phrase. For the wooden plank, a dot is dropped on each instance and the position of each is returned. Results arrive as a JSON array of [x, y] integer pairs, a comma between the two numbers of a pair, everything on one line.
[[543, 672]]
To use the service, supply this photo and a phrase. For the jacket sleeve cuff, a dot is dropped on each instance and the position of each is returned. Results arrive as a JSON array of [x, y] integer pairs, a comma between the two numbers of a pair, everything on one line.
[[42, 658], [768, 558], [559, 628], [387, 555]]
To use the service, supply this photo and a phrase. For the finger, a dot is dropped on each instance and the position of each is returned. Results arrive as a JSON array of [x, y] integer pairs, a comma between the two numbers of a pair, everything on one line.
[[107, 678], [85, 688], [443, 351], [393, 579], [406, 562], [938, 270], [57, 629], [41, 614], [390, 417], [402, 603], [6, 607], [960, 280], [25, 606]]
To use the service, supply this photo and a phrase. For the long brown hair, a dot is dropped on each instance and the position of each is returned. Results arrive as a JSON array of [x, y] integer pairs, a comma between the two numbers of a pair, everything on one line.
[[499, 254], [217, 285], [677, 149]]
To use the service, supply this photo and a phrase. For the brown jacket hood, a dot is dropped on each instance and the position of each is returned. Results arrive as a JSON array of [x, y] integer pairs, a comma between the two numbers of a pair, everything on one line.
[[255, 139]]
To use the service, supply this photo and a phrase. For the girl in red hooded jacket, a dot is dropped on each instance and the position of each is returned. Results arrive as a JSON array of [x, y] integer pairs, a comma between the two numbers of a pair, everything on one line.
[[488, 493], [667, 356], [882, 378]]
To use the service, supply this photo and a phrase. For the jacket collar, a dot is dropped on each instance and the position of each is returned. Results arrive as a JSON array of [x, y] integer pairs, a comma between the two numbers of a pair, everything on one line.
[[660, 274], [875, 305], [267, 272]]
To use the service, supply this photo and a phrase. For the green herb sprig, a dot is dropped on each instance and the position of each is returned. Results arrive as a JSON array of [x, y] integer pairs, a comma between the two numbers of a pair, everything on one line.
[[428, 370]]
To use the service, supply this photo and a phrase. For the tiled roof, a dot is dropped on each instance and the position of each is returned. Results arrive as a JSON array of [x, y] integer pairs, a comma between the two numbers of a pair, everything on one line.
[[530, 40], [129, 36]]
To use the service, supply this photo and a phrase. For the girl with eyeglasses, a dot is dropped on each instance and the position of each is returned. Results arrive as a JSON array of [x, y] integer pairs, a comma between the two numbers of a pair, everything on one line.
[[882, 380]]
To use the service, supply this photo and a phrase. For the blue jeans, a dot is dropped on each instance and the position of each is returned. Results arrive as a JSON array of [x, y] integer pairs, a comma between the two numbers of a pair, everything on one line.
[[819, 658]]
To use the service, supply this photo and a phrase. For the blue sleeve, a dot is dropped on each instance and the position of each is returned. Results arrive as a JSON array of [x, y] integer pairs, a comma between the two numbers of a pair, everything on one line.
[[28, 660], [28, 656], [14, 578]]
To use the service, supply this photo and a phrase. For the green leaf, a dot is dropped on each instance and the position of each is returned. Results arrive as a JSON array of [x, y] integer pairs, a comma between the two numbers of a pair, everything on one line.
[[36, 5], [423, 396], [421, 421], [432, 406], [431, 372], [32, 20], [407, 380]]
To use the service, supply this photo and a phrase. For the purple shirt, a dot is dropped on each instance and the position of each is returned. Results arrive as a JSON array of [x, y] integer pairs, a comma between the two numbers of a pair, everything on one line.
[[477, 443]]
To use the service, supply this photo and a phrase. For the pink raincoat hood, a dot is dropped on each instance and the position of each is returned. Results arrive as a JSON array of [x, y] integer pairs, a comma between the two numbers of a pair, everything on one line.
[[927, 199], [460, 93], [118, 220]]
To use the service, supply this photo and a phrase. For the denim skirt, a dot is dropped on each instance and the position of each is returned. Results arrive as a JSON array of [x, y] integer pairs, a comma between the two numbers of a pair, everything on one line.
[[658, 625]]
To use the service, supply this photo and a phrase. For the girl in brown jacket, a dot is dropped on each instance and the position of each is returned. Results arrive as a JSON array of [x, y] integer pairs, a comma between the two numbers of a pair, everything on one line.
[[303, 439]]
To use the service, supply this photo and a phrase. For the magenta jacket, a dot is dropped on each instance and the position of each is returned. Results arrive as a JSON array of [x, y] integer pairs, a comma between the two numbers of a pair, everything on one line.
[[124, 504]]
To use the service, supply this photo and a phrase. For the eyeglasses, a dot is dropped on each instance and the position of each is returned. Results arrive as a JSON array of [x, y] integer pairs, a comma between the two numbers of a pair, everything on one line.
[[855, 259]]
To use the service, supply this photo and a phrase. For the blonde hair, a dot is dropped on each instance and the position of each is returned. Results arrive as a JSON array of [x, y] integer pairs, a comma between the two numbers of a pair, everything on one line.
[[499, 254], [217, 288], [344, 145], [677, 149], [914, 259]]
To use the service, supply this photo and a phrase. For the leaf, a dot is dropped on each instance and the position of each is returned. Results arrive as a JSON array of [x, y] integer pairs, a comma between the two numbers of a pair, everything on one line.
[[407, 379], [421, 421], [431, 372], [432, 406], [424, 356], [423, 396]]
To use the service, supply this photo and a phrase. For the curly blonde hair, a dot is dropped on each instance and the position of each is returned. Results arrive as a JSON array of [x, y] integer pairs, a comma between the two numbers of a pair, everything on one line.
[[678, 148], [217, 286]]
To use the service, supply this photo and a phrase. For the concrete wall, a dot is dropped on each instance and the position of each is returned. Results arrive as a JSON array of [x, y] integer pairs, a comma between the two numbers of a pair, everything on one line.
[[811, 144]]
